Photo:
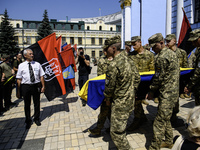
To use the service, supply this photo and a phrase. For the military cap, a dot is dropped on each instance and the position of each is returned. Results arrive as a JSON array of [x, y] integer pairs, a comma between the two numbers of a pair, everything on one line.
[[135, 38], [169, 37], [128, 43], [194, 35], [111, 41], [155, 39]]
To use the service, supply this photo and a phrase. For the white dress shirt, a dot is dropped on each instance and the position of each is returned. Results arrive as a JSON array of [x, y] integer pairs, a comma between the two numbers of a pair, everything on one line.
[[23, 72]]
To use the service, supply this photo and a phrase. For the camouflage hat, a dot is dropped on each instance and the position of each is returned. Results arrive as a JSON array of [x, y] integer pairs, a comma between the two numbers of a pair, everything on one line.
[[110, 41], [128, 43], [169, 37], [155, 39], [135, 38], [194, 35]]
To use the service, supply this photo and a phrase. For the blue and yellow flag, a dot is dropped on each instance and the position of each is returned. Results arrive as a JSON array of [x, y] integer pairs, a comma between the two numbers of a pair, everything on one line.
[[92, 90], [68, 73]]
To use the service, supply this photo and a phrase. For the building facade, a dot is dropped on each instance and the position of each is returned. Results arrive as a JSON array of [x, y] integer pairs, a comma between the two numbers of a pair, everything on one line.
[[89, 33], [175, 15]]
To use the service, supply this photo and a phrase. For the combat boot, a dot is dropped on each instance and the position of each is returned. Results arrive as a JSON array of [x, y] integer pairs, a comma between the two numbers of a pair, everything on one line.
[[165, 145], [182, 96], [95, 132], [186, 96], [156, 100], [145, 102]]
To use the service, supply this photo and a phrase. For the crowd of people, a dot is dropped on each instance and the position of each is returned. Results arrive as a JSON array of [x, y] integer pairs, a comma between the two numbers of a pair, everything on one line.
[[124, 92]]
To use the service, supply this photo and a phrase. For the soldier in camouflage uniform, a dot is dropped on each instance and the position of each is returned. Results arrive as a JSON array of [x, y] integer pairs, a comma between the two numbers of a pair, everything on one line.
[[119, 91], [182, 57], [144, 61], [102, 67], [194, 84], [166, 81]]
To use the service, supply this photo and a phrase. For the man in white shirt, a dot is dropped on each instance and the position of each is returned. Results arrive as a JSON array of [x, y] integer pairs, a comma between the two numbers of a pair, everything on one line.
[[29, 76]]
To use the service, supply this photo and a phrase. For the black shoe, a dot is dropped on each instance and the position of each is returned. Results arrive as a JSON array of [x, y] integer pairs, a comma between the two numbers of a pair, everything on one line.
[[37, 122], [28, 125], [84, 103]]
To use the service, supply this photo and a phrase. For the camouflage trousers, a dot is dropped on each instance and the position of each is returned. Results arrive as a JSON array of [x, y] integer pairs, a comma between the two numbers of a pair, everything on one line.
[[119, 118], [105, 111], [138, 110], [162, 126]]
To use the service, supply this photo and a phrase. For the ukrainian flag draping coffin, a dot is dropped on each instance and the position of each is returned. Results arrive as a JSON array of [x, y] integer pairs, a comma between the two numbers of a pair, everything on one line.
[[93, 89]]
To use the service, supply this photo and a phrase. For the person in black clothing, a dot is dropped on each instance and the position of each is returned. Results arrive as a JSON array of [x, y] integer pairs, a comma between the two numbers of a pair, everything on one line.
[[84, 69], [191, 142]]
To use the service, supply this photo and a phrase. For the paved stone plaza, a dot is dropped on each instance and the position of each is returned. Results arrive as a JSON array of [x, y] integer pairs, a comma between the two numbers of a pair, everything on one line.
[[65, 123]]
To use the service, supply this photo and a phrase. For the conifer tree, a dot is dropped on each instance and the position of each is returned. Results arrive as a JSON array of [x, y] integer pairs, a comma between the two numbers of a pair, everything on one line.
[[7, 40], [44, 28]]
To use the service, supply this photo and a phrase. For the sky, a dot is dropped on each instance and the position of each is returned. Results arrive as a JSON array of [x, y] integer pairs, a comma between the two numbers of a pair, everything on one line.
[[58, 9]]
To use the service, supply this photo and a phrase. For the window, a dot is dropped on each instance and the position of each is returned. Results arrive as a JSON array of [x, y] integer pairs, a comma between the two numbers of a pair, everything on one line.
[[16, 39], [27, 25], [93, 41], [72, 26], [88, 28], [197, 11], [111, 29], [72, 40], [79, 40], [18, 26], [79, 27], [28, 40], [100, 41], [100, 28], [93, 53], [54, 26], [100, 53], [63, 40], [63, 26]]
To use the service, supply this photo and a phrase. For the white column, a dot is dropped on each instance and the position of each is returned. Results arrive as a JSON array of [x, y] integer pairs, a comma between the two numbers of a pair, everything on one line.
[[179, 17], [122, 30], [127, 23], [168, 17]]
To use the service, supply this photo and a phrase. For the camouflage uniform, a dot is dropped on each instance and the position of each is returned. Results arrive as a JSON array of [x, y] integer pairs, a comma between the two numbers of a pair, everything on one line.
[[120, 89], [166, 81], [144, 62], [105, 110], [194, 83]]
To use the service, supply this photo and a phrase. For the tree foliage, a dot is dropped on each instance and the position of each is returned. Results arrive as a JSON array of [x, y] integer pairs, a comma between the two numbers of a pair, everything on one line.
[[44, 28], [7, 39]]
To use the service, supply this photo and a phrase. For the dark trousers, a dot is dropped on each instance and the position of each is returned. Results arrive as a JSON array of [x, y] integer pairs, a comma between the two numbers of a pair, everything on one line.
[[7, 89], [82, 80], [29, 90]]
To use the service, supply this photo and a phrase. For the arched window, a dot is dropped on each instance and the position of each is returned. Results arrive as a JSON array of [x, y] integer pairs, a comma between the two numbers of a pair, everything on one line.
[[18, 26], [100, 28], [111, 28], [88, 28]]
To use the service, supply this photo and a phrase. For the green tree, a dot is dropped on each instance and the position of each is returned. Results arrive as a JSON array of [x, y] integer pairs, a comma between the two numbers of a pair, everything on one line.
[[7, 39], [44, 28]]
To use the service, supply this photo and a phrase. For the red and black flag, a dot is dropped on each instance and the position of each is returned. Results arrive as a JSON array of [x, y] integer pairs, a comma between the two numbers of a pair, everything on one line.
[[45, 53], [183, 42], [68, 67]]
